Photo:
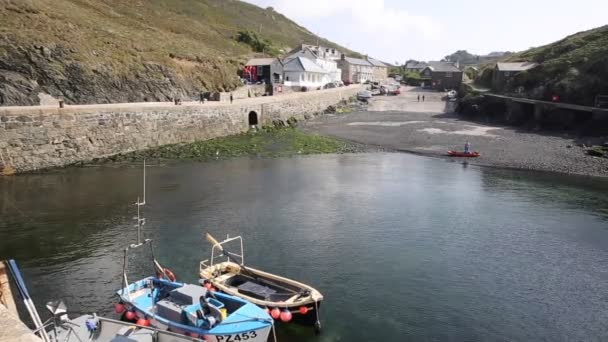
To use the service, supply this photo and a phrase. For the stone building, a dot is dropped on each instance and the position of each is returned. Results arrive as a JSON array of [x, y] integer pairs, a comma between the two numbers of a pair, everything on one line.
[[355, 70], [442, 76], [379, 70], [504, 72], [415, 66]]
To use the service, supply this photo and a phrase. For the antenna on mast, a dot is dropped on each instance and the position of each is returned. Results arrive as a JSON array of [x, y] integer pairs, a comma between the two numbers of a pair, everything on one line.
[[140, 220], [144, 201]]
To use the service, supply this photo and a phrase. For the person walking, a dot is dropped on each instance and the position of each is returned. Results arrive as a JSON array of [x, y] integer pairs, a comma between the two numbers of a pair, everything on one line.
[[202, 97], [231, 98], [422, 98], [418, 97]]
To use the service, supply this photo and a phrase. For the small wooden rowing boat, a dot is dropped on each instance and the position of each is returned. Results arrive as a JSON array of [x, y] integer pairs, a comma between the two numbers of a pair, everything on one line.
[[463, 154], [285, 299]]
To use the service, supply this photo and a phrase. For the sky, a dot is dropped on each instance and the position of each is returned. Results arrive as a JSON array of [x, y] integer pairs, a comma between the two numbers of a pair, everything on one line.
[[398, 30]]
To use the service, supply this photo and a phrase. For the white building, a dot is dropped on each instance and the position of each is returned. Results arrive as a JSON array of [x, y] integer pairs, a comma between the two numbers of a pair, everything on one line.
[[323, 52], [328, 64], [304, 72]]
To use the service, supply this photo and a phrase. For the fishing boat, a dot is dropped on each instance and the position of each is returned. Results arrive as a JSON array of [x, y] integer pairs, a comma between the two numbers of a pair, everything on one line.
[[89, 327], [160, 301], [285, 299], [463, 154]]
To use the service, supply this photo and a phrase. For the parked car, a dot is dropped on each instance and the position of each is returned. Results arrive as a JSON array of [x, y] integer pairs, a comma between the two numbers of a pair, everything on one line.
[[364, 95], [330, 85], [394, 91], [339, 83]]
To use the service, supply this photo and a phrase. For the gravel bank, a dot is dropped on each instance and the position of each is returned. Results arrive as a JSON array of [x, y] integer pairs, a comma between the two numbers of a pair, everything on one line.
[[402, 123]]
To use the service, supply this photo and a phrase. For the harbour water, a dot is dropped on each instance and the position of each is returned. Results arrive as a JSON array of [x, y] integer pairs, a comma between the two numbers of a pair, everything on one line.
[[404, 248]]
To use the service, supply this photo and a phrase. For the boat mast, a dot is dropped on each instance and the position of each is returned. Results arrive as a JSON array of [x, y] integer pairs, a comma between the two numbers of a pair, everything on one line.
[[141, 221]]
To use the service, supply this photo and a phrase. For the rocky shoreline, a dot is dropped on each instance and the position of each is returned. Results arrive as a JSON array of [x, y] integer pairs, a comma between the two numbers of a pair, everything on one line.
[[430, 129]]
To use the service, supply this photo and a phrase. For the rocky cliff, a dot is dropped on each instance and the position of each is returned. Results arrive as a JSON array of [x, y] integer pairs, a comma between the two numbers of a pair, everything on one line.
[[104, 51]]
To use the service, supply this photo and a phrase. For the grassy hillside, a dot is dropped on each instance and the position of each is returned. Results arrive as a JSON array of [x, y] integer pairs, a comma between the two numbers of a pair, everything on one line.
[[138, 50], [576, 68]]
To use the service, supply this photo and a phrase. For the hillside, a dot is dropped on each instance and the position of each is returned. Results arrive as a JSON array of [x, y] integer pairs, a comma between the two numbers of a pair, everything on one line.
[[466, 58], [102, 51], [575, 68]]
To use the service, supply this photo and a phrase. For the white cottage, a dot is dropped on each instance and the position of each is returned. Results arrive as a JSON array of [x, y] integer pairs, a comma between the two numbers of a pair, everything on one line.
[[304, 72], [321, 59]]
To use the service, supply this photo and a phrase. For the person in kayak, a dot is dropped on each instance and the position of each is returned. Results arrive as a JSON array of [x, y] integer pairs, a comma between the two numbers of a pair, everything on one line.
[[467, 147]]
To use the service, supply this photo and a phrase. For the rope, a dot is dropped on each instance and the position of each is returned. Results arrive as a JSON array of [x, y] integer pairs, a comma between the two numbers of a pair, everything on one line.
[[274, 333]]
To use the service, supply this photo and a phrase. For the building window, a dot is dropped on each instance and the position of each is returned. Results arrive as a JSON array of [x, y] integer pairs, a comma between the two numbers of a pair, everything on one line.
[[286, 78], [448, 74], [507, 74], [260, 70]]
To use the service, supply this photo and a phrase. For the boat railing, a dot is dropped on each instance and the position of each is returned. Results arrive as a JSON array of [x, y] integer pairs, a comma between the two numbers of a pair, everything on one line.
[[218, 251]]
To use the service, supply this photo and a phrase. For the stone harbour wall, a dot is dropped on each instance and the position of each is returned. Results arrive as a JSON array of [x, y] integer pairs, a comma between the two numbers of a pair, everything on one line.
[[44, 137]]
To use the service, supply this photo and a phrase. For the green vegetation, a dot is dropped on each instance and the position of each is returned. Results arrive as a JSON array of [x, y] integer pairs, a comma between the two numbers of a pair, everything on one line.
[[268, 142], [117, 50], [598, 151], [575, 68], [257, 44]]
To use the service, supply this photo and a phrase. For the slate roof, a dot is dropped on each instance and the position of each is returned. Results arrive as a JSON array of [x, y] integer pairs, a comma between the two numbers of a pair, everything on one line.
[[443, 67], [416, 65], [376, 62], [303, 64], [519, 66], [260, 61], [357, 61]]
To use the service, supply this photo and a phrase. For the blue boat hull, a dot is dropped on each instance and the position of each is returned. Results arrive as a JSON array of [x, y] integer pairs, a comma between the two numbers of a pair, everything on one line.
[[152, 299]]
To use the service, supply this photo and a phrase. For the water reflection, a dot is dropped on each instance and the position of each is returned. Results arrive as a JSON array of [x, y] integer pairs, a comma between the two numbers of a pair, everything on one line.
[[403, 247]]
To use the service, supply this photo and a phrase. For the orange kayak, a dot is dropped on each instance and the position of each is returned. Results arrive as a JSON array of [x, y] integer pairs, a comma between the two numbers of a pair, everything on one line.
[[462, 154]]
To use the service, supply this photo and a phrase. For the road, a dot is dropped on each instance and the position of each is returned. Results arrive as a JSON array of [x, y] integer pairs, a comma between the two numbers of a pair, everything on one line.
[[431, 128]]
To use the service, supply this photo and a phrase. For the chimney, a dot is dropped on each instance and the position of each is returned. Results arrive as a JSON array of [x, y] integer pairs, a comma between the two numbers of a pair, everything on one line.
[[343, 57], [366, 57]]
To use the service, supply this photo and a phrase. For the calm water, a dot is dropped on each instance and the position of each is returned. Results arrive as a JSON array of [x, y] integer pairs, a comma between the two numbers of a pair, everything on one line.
[[403, 247]]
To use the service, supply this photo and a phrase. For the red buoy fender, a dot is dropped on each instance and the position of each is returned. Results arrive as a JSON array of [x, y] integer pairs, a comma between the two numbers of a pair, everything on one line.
[[170, 275]]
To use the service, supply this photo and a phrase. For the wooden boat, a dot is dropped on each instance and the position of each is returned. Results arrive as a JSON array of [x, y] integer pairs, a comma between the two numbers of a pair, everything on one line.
[[285, 299], [463, 154]]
